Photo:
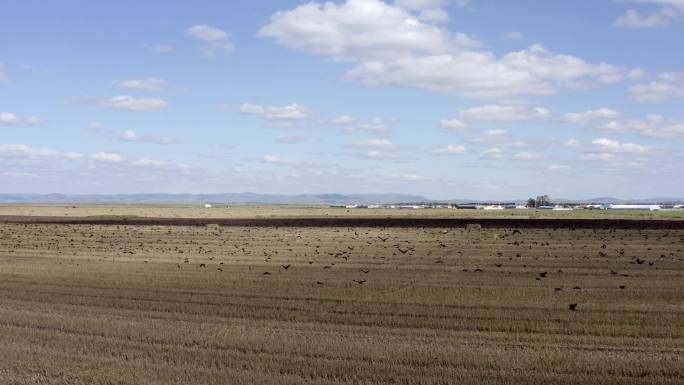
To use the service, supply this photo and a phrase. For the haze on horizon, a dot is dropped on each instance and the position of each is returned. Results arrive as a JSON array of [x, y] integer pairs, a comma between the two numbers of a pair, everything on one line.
[[445, 99]]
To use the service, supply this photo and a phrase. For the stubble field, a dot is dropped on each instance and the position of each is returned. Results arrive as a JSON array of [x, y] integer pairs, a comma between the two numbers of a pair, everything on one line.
[[127, 304]]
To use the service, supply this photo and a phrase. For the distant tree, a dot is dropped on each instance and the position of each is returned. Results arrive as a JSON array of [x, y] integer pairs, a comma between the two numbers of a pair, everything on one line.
[[543, 200], [531, 203]]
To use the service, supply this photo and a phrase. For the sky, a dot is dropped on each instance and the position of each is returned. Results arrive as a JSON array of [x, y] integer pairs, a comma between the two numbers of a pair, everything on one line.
[[477, 99]]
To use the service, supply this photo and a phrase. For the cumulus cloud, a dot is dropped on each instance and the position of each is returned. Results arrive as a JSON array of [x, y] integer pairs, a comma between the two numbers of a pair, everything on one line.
[[492, 153], [343, 120], [215, 40], [107, 157], [668, 11], [610, 150], [160, 165], [22, 151], [497, 137], [376, 144], [453, 125], [572, 143], [668, 85], [591, 115], [524, 155], [34, 121], [132, 136], [654, 126], [8, 118], [399, 49], [290, 112], [499, 113], [149, 84], [373, 126], [448, 150], [125, 102]]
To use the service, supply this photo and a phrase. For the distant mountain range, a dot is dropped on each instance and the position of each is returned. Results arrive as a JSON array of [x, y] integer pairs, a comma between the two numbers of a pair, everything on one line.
[[301, 199], [228, 198]]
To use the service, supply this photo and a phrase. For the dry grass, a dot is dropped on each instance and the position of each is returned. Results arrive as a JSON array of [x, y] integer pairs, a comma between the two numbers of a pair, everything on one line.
[[120, 305], [271, 211]]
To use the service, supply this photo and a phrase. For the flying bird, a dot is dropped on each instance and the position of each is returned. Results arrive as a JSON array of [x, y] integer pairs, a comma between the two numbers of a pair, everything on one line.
[[572, 306]]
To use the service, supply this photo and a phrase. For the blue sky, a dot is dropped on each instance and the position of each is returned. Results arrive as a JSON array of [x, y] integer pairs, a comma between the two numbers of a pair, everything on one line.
[[448, 99]]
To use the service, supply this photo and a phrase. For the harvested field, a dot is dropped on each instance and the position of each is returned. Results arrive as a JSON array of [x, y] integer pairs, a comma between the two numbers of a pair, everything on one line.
[[346, 303]]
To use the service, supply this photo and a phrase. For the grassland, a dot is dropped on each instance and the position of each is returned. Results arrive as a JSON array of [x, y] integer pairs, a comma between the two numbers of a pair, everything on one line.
[[93, 304]]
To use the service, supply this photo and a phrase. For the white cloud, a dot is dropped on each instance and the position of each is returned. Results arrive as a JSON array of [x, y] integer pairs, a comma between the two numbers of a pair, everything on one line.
[[290, 139], [216, 40], [355, 30], [375, 126], [654, 126], [34, 121], [448, 150], [160, 164], [149, 84], [8, 118], [22, 151], [434, 15], [132, 136], [559, 167], [591, 115], [397, 48], [416, 5], [290, 112], [524, 156], [499, 113], [572, 143], [497, 137], [668, 85], [453, 125], [72, 155], [107, 157], [124, 102], [376, 144], [492, 153], [668, 12], [614, 146], [343, 120]]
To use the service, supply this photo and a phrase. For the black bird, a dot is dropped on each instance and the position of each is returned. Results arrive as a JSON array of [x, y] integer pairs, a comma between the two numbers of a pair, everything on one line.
[[319, 283], [403, 251], [383, 239], [202, 265], [360, 282], [219, 269], [438, 261], [365, 271], [499, 264], [640, 261], [543, 275], [478, 270], [285, 266], [576, 288], [266, 273], [516, 231], [557, 289], [572, 306], [622, 286]]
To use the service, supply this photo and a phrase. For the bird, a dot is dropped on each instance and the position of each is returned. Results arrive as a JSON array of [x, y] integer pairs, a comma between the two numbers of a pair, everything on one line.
[[576, 288], [572, 306], [360, 282], [438, 261], [640, 261], [319, 283], [516, 231], [383, 239], [403, 251], [285, 266], [219, 269], [499, 264], [557, 289], [543, 275], [622, 286], [365, 271], [266, 273], [202, 265]]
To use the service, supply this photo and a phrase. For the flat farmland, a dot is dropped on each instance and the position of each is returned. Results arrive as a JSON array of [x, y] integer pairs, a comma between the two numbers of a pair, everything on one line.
[[118, 303]]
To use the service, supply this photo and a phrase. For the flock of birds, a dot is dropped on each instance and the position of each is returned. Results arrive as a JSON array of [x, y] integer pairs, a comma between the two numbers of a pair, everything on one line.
[[507, 244]]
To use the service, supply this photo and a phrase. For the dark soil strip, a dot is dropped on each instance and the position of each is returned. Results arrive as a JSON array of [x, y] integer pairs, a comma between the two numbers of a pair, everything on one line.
[[357, 222]]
